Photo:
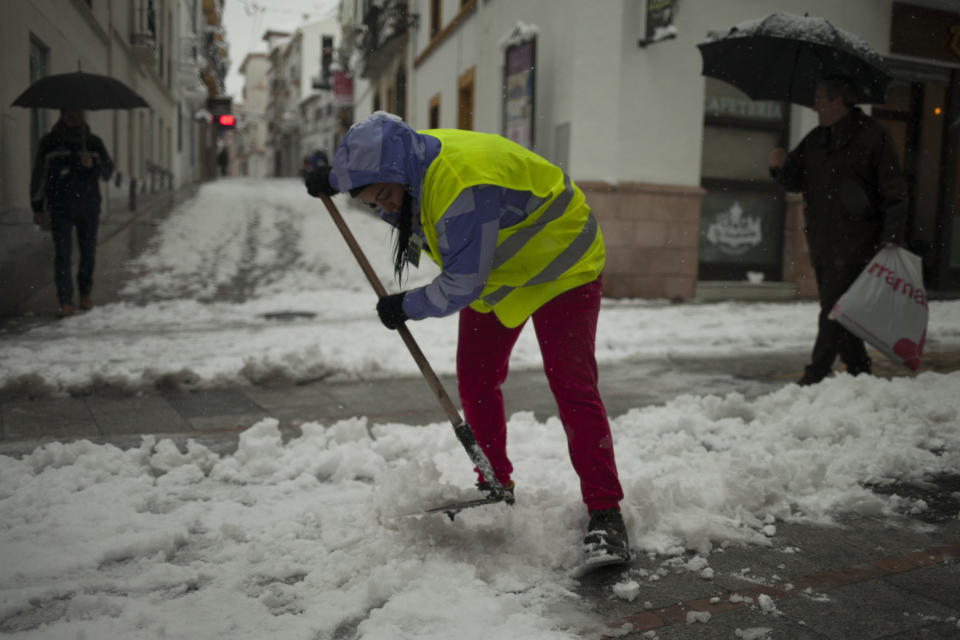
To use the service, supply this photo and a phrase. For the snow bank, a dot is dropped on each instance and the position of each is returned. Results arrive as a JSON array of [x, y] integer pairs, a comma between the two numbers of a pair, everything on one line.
[[321, 536]]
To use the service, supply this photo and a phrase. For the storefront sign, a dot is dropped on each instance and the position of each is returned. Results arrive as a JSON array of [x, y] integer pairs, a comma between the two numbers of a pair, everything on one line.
[[744, 108], [520, 84]]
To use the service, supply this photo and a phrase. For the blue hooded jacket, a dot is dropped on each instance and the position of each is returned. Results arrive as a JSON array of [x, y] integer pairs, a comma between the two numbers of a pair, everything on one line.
[[383, 148]]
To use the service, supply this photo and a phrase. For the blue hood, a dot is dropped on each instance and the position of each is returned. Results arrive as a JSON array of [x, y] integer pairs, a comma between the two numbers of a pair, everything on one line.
[[382, 148]]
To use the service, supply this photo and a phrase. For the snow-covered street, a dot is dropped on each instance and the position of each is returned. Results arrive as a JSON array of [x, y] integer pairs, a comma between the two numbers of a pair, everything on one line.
[[321, 536]]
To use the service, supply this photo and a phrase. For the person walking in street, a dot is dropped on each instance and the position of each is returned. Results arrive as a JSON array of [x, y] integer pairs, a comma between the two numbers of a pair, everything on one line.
[[855, 202], [70, 160], [223, 160], [514, 239]]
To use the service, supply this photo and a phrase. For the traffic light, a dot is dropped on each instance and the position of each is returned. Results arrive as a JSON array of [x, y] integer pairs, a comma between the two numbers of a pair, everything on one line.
[[221, 111]]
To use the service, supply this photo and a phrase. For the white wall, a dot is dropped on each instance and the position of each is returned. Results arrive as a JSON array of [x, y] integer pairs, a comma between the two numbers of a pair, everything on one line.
[[252, 109], [636, 115], [98, 40], [69, 41], [310, 50]]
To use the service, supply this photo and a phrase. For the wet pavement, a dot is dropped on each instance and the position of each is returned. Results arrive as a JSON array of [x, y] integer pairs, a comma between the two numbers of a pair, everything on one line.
[[864, 578], [26, 256]]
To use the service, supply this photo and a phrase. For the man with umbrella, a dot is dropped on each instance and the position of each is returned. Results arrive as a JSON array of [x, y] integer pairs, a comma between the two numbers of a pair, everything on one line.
[[847, 168], [855, 201], [69, 162]]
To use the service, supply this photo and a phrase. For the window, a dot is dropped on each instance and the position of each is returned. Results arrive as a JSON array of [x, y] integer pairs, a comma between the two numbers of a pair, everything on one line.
[[465, 100], [433, 117], [39, 64], [435, 17], [326, 59]]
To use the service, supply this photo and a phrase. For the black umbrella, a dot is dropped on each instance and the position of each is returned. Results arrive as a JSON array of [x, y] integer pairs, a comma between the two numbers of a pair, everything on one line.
[[79, 91], [783, 56]]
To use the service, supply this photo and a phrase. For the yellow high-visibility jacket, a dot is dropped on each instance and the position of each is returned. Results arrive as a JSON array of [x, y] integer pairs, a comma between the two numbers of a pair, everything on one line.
[[555, 248]]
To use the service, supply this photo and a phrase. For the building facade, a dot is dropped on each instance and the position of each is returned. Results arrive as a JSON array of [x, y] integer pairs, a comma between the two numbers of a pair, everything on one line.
[[251, 153], [300, 114], [672, 163], [159, 48]]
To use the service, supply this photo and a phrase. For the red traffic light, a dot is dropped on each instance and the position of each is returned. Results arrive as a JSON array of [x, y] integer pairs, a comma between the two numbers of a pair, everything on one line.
[[226, 120]]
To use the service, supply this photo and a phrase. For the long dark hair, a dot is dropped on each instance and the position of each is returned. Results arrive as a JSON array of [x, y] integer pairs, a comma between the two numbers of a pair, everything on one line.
[[402, 244]]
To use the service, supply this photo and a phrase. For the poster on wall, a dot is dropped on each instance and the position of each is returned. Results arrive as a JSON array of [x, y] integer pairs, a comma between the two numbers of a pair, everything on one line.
[[660, 27], [519, 92]]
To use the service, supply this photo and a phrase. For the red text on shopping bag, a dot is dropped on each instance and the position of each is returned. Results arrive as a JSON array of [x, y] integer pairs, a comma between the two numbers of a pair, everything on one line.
[[887, 306]]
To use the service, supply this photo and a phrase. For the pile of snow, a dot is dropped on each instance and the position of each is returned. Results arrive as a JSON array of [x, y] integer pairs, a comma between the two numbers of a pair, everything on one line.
[[321, 537]]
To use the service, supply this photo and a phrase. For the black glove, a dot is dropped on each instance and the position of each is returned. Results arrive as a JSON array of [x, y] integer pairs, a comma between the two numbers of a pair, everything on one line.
[[390, 310], [318, 182]]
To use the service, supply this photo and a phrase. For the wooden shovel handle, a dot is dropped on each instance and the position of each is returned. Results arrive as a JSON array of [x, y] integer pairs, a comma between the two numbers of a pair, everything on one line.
[[462, 430]]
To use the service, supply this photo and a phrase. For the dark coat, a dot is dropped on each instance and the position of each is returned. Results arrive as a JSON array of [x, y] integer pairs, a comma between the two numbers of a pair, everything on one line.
[[59, 181], [854, 193]]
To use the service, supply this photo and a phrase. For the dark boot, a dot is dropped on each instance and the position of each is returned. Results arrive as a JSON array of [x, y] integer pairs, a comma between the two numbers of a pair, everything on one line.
[[606, 538], [810, 376]]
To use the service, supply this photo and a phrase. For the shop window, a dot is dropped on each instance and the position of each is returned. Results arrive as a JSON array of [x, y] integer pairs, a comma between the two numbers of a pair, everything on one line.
[[914, 113], [742, 213]]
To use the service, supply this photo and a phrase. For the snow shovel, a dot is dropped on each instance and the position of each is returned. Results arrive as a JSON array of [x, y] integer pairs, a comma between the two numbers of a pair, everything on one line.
[[496, 492]]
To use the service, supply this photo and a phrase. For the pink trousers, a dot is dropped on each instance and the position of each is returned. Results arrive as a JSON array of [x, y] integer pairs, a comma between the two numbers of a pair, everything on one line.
[[566, 329]]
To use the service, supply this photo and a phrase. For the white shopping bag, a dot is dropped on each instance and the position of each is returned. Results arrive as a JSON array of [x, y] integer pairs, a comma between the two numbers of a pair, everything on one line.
[[887, 306]]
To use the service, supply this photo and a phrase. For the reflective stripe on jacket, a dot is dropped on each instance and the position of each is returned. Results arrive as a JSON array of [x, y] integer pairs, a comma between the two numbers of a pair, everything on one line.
[[554, 249]]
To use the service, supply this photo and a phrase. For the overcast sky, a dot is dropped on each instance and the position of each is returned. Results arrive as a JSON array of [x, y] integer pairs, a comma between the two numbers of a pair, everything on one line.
[[247, 20]]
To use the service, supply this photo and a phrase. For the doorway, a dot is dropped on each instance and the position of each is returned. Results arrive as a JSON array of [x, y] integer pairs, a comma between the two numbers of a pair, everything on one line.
[[921, 102]]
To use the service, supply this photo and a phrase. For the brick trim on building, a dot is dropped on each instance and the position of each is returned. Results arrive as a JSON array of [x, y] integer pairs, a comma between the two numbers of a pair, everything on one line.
[[651, 233]]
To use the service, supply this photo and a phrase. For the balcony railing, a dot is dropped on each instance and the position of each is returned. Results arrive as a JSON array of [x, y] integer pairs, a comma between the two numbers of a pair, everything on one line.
[[384, 32], [382, 23], [143, 31]]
